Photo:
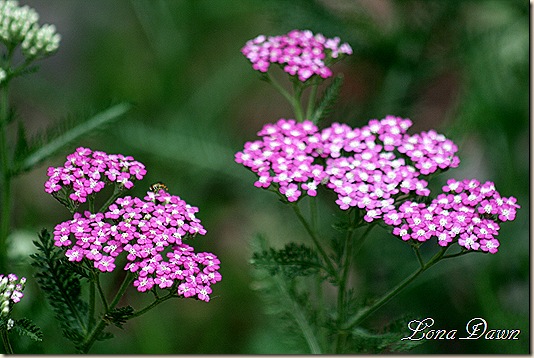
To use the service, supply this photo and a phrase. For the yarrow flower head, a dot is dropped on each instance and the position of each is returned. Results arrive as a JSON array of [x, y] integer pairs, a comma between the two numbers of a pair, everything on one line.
[[467, 213], [366, 167], [299, 53], [10, 292], [18, 25], [86, 172], [151, 233]]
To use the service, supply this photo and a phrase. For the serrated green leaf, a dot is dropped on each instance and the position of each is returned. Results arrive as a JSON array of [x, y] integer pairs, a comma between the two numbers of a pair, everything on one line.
[[293, 260], [119, 316], [56, 143], [62, 288], [327, 101], [26, 327]]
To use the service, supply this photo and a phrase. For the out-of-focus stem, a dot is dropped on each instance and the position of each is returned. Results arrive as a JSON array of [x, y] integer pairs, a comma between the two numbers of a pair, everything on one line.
[[363, 314], [5, 214]]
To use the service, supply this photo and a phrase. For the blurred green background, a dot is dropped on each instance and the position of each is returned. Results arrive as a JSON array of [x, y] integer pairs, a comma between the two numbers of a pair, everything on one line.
[[461, 67]]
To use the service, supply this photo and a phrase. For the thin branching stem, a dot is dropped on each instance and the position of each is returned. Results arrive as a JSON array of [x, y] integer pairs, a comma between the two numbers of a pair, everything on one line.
[[101, 292], [297, 106], [6, 176], [315, 239], [419, 257], [6, 342], [296, 310], [92, 304], [313, 214], [97, 330], [156, 302], [311, 100], [364, 313], [116, 193], [342, 284]]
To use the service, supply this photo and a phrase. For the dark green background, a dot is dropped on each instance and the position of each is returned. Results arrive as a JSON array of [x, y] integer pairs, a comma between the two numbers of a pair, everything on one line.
[[461, 67]]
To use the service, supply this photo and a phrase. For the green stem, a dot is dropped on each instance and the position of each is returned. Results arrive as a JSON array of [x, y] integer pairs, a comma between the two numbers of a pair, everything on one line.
[[93, 335], [116, 193], [342, 293], [5, 214], [7, 343], [313, 214], [363, 314], [91, 204], [101, 293], [92, 302], [297, 107], [419, 257], [295, 310], [365, 235], [153, 304], [294, 100], [315, 239], [311, 100]]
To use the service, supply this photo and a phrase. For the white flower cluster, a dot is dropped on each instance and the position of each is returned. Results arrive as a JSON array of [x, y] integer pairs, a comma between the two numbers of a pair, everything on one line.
[[18, 25]]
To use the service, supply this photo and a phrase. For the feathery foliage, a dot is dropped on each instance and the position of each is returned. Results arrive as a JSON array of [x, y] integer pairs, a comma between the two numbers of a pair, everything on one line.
[[327, 101], [62, 287], [293, 260], [26, 327], [61, 135]]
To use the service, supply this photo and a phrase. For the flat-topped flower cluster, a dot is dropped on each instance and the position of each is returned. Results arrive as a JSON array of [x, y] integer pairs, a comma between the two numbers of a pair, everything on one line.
[[150, 231], [467, 212], [375, 168], [299, 53], [366, 167], [86, 172]]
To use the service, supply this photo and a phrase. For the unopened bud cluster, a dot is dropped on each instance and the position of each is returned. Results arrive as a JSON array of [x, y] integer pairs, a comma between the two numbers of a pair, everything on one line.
[[18, 26], [10, 292]]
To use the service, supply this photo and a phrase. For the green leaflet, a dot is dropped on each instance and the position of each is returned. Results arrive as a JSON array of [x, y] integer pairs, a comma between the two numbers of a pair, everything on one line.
[[293, 260], [48, 146], [62, 288], [26, 327], [327, 101]]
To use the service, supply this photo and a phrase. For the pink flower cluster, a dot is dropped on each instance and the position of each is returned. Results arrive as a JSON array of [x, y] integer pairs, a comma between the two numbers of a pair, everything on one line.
[[10, 292], [366, 167], [300, 53], [151, 233], [467, 212], [86, 172]]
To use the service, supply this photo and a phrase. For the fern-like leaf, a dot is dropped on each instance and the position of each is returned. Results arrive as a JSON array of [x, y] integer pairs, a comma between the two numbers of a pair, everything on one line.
[[387, 341], [26, 327], [43, 148], [119, 316], [62, 287], [293, 260], [327, 101]]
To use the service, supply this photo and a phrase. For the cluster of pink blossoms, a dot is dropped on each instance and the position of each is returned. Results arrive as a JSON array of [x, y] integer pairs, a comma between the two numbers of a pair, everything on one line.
[[300, 53], [467, 212], [151, 233], [86, 172], [366, 167], [10, 292]]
